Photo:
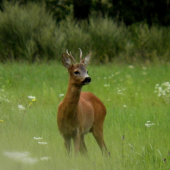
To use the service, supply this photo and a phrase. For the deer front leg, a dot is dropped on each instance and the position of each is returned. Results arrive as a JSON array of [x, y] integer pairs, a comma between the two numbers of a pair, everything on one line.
[[67, 142], [76, 140]]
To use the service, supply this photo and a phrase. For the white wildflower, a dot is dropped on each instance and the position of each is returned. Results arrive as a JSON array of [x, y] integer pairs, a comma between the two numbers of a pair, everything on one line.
[[23, 157], [31, 97], [61, 95], [119, 92], [21, 107], [131, 66], [149, 124], [124, 106], [37, 138], [45, 158], [42, 143], [106, 85], [159, 95], [163, 91]]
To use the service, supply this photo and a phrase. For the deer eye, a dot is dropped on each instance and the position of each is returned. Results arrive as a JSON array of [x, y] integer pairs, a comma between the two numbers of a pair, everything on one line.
[[76, 72]]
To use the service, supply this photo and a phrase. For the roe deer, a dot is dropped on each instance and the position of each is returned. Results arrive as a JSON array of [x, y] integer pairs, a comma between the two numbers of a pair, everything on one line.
[[80, 112]]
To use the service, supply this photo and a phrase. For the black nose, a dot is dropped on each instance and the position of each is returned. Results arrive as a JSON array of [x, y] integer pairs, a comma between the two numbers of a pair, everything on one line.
[[87, 80]]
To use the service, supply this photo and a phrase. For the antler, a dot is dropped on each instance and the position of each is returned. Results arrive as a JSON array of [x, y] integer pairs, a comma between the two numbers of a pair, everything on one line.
[[80, 55], [71, 57]]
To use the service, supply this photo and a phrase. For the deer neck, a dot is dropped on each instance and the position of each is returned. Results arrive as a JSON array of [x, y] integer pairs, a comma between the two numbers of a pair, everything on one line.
[[72, 99]]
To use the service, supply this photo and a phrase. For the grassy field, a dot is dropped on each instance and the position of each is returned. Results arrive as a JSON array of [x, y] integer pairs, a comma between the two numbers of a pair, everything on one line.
[[136, 128]]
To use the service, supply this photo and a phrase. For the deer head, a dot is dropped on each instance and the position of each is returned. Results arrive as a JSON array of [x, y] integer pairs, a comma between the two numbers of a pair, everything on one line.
[[78, 73]]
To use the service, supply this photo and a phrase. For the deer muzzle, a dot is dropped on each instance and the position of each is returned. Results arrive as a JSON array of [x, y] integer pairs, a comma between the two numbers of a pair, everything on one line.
[[87, 80]]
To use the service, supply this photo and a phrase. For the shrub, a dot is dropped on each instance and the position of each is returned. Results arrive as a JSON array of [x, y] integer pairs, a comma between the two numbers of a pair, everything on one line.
[[150, 43], [28, 32], [108, 38], [76, 36]]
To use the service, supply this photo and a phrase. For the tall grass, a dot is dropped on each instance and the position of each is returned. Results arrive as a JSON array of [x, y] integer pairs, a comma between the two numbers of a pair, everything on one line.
[[136, 128]]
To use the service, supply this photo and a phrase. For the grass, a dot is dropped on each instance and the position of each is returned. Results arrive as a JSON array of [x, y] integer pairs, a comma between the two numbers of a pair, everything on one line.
[[128, 94]]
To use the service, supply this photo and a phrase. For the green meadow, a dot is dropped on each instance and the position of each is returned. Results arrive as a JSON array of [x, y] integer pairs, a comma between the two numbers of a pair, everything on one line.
[[136, 128]]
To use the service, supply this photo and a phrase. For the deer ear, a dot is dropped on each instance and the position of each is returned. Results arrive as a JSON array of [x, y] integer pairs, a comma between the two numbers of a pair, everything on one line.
[[66, 60], [86, 60]]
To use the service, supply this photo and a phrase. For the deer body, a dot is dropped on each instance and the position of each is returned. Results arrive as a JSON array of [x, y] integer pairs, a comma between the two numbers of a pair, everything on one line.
[[80, 112]]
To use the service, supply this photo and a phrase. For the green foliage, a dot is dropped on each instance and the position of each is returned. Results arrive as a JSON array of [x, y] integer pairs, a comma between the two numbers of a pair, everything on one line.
[[149, 43], [59, 9], [75, 36], [107, 37], [136, 116], [28, 33]]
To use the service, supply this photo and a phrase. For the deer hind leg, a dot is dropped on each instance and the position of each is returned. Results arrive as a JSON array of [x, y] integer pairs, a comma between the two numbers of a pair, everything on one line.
[[98, 135], [83, 148]]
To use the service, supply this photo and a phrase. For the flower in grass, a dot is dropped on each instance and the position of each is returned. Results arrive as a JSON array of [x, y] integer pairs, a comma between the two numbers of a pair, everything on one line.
[[163, 91], [119, 92], [106, 85], [1, 121], [42, 143], [37, 138], [149, 124], [45, 158], [124, 105], [131, 66], [23, 157], [21, 107], [31, 97], [61, 95]]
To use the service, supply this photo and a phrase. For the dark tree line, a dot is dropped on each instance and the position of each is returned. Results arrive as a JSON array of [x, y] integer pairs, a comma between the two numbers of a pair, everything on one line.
[[128, 11], [150, 11]]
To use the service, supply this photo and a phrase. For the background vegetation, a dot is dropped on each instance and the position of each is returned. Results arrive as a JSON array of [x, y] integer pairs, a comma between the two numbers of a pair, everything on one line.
[[136, 127], [30, 31], [137, 96]]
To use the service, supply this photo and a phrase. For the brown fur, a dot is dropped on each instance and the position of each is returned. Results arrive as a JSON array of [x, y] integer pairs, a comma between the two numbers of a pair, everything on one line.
[[80, 112]]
